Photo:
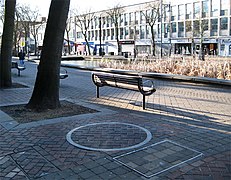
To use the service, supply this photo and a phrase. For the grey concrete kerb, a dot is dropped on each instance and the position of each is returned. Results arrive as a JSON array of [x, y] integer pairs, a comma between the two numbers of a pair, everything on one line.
[[155, 75]]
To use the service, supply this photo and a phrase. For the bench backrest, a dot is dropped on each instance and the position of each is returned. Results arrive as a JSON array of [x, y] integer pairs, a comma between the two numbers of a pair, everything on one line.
[[122, 81], [115, 80]]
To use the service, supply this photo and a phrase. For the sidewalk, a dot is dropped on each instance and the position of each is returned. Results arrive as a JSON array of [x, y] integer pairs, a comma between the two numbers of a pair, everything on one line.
[[184, 133]]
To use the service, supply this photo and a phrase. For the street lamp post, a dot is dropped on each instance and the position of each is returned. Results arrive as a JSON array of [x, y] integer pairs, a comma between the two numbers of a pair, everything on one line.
[[161, 23], [100, 37]]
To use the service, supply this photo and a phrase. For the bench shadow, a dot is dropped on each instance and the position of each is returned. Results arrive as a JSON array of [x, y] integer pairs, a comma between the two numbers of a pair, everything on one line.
[[178, 116]]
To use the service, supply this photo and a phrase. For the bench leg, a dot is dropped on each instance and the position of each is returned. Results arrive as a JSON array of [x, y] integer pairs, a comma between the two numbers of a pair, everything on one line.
[[18, 72], [143, 101], [97, 91]]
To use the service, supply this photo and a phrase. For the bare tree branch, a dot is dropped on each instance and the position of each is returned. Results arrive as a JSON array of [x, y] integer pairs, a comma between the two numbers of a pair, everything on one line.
[[83, 21], [115, 14]]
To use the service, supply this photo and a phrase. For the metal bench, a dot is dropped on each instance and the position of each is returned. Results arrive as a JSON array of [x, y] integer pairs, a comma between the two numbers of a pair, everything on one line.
[[63, 75], [15, 64], [134, 83]]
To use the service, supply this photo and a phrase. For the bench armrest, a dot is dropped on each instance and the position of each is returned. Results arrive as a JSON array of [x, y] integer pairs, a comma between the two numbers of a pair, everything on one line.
[[146, 87], [63, 75]]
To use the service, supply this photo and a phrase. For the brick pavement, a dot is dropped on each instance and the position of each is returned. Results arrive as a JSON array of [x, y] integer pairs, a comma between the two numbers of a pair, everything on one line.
[[196, 116]]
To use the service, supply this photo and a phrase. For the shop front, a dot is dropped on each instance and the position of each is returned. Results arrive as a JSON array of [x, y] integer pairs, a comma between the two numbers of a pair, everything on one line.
[[225, 47], [127, 47], [182, 46], [143, 47], [210, 46], [189, 46]]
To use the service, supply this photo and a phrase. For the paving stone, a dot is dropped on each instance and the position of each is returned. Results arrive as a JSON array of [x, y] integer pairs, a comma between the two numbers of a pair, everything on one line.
[[87, 174], [11, 175], [193, 115]]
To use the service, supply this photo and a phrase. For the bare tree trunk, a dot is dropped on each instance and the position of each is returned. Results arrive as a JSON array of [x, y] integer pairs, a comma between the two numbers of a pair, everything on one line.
[[46, 90], [117, 38], [68, 41], [7, 44], [88, 45], [35, 46], [153, 41]]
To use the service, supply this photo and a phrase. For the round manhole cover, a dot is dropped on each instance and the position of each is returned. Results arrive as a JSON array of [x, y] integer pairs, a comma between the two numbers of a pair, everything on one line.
[[111, 136]]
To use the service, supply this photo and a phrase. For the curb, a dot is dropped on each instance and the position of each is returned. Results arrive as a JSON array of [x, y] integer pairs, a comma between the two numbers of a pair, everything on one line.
[[175, 77], [204, 80]]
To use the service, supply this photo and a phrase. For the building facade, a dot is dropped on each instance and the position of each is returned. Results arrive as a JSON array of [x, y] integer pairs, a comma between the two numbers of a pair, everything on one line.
[[181, 28]]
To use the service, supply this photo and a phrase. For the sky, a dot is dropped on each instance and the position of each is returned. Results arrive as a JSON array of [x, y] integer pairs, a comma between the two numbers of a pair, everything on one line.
[[82, 5]]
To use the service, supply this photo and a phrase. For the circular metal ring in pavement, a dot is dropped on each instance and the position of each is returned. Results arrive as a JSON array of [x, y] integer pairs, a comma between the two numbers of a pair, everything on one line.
[[109, 136]]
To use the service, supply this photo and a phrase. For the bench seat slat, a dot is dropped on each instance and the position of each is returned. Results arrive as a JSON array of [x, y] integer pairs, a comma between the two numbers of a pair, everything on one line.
[[134, 83]]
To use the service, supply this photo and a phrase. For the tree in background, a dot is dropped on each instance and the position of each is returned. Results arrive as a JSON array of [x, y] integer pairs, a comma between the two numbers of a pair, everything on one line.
[[2, 15], [46, 90], [17, 33], [68, 30], [31, 21], [199, 30], [115, 14], [7, 43], [151, 15], [83, 21]]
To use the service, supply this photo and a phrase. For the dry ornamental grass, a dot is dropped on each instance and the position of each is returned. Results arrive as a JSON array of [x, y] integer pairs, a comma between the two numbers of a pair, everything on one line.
[[212, 68]]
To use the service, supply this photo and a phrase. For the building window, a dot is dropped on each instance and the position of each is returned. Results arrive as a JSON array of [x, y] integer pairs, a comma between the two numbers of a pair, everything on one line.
[[131, 18], [196, 10], [181, 13], [188, 26], [196, 28], [166, 30], [222, 47], [224, 23], [108, 32], [96, 20], [166, 12], [104, 22], [104, 34], [229, 49], [148, 31], [108, 21], [89, 36], [173, 27], [112, 34], [181, 29], [225, 4], [230, 26], [137, 32], [205, 8], [158, 30], [214, 27], [91, 24], [131, 33], [142, 32], [126, 19], [214, 8], [205, 25], [142, 17], [96, 35], [126, 32], [188, 11], [121, 20], [136, 17], [174, 13], [79, 35], [121, 33]]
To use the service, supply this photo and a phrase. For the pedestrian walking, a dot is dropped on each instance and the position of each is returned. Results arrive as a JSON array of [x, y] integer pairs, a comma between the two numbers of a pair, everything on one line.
[[21, 56]]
